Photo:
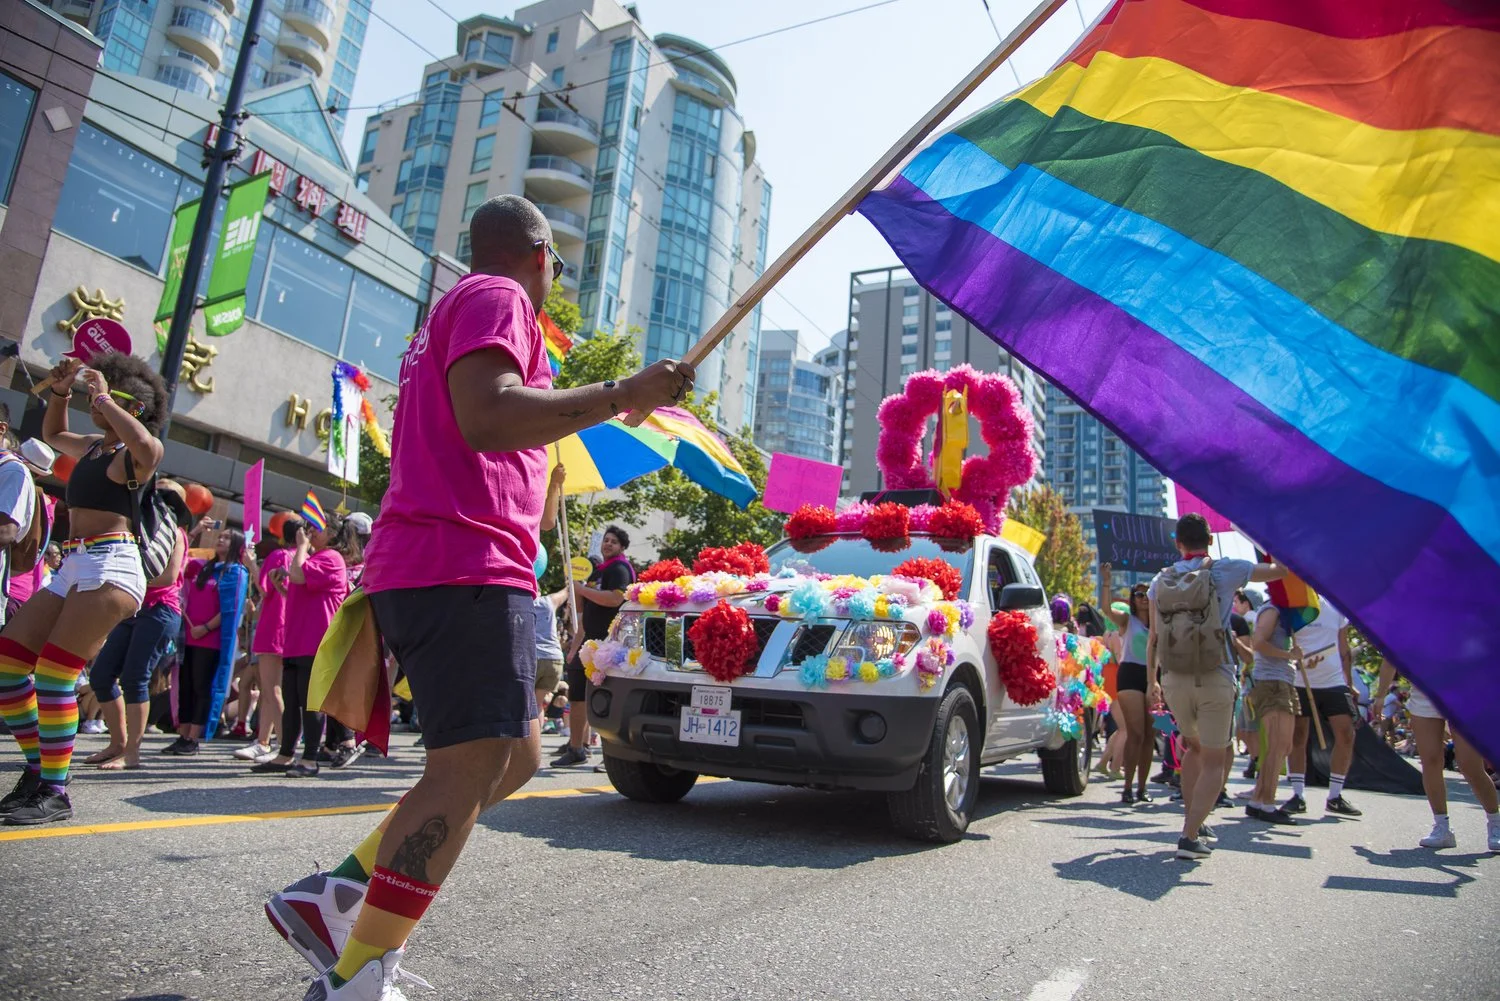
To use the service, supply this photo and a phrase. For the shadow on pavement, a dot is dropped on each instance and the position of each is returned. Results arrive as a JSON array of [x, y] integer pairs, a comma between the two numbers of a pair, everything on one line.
[[732, 824], [1147, 876], [1410, 858], [276, 795]]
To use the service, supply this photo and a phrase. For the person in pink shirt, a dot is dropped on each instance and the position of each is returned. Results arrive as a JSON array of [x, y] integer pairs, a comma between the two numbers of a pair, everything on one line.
[[214, 595], [318, 582], [270, 637], [450, 576], [121, 674]]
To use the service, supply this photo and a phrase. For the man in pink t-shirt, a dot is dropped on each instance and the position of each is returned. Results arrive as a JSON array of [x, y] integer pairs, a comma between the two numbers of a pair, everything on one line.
[[449, 571]]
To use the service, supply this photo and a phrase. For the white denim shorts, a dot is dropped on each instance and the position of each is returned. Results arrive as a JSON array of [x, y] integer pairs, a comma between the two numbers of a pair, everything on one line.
[[1418, 704], [89, 568]]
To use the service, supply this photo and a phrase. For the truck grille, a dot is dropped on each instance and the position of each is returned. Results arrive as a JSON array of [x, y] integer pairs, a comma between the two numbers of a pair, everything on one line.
[[763, 630], [810, 641], [753, 711]]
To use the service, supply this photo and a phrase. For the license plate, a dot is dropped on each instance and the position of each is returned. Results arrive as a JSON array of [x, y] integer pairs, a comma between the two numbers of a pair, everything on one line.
[[712, 697], [699, 726]]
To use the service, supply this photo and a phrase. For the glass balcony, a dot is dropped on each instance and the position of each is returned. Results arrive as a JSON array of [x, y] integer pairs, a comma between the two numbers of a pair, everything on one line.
[[313, 17], [304, 49], [556, 178], [199, 32], [565, 130], [565, 222]]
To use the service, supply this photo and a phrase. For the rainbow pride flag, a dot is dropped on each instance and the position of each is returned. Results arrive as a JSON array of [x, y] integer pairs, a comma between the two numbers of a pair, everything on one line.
[[312, 511], [1260, 239], [558, 343]]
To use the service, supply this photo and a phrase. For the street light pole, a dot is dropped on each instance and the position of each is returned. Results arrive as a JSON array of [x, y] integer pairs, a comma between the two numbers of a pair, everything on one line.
[[217, 160]]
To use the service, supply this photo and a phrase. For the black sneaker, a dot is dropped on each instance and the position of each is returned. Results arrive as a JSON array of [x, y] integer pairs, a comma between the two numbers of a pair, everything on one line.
[[272, 767], [325, 755], [1295, 805], [1193, 849], [1249, 772], [1127, 798], [302, 770], [1276, 816], [1206, 834], [178, 746], [1222, 801], [1161, 778], [44, 805], [1342, 807], [346, 755], [1142, 796], [17, 797], [571, 756]]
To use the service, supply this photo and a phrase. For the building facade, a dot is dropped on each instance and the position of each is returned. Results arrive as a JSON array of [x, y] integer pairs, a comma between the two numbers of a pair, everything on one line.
[[193, 44], [796, 409], [332, 277], [897, 328], [834, 357], [631, 146], [1091, 468]]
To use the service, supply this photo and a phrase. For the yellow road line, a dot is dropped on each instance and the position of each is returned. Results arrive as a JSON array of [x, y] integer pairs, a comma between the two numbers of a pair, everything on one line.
[[209, 820]]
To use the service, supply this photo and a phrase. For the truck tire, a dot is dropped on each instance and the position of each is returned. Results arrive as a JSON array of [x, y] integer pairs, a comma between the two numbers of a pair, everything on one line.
[[938, 807], [1065, 771], [647, 783]]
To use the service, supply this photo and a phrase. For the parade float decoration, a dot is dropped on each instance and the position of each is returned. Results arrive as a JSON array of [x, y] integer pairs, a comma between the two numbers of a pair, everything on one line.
[[1081, 660]]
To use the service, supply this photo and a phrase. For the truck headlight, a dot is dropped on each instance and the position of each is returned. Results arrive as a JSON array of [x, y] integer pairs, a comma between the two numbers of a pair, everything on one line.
[[876, 641], [629, 628]]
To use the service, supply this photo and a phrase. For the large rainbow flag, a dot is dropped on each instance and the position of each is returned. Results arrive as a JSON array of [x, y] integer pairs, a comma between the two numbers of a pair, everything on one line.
[[1260, 239], [558, 343]]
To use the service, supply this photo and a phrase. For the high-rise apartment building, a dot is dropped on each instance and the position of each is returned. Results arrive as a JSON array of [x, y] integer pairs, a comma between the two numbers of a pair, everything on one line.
[[795, 411], [631, 146], [1092, 468], [833, 357], [193, 44], [896, 328]]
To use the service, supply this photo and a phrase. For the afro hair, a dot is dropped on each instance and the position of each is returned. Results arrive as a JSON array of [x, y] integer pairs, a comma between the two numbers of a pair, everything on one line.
[[130, 374]]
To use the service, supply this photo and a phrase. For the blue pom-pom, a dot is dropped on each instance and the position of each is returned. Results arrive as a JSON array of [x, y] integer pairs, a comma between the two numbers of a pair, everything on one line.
[[886, 666], [814, 671], [861, 604], [808, 600]]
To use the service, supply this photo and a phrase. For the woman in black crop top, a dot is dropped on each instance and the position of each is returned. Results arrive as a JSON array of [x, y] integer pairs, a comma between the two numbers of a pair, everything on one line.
[[100, 582]]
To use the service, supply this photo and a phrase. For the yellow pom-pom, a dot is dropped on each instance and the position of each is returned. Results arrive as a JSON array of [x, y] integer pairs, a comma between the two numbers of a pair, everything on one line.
[[838, 669], [868, 672]]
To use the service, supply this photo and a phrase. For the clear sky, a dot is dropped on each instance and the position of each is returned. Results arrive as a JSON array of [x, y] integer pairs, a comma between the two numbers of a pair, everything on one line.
[[825, 101]]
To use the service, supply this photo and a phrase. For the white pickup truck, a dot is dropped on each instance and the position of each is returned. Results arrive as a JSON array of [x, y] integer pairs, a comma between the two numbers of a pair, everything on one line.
[[923, 745]]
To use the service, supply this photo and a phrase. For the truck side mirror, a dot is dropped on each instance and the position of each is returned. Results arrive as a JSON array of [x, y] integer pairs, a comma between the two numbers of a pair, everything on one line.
[[1021, 596]]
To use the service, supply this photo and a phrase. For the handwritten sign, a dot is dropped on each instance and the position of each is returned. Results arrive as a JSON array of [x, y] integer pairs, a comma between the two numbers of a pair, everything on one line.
[[99, 336], [794, 481], [1134, 542]]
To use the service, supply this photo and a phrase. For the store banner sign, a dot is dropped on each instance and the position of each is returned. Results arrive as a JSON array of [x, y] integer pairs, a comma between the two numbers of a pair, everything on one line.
[[182, 235], [224, 309]]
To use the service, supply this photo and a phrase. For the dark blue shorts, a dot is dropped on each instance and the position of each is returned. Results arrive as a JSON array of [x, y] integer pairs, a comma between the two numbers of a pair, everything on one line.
[[131, 653], [469, 654]]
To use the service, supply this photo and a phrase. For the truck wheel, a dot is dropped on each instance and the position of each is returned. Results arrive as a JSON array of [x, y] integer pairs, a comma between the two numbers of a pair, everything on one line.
[[647, 783], [1065, 771], [938, 806]]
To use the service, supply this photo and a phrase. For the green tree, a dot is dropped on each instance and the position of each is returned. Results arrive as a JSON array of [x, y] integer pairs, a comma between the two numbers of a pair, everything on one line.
[[564, 313], [1064, 560]]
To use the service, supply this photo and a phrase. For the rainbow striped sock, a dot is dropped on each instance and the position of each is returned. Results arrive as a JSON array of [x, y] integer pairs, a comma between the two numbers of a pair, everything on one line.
[[57, 673], [18, 698]]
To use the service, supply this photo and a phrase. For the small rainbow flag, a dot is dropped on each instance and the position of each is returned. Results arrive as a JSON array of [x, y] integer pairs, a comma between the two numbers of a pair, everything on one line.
[[314, 513], [558, 343]]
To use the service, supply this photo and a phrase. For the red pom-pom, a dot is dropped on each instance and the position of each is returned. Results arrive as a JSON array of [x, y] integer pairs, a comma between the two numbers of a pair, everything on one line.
[[948, 578], [887, 521], [1025, 675], [811, 520], [724, 642], [955, 520], [666, 570], [746, 559]]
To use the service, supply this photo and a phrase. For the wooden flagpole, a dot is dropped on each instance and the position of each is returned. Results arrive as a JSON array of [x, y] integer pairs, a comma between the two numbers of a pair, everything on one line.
[[893, 158]]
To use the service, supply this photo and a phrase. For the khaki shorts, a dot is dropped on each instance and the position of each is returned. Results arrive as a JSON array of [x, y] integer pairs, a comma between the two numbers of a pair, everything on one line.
[[1268, 697], [548, 674], [1202, 705]]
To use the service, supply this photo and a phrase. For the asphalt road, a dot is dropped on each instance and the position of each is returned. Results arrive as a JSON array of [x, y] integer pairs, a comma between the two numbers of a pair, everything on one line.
[[751, 892]]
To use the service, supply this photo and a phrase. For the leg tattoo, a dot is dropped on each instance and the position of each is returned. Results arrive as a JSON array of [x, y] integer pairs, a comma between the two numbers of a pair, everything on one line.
[[417, 849]]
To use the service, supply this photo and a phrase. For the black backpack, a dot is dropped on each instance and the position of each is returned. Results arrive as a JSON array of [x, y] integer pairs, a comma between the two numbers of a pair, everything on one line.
[[154, 523]]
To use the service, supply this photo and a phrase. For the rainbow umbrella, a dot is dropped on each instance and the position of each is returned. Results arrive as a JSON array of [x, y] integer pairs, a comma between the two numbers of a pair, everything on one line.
[[609, 455], [702, 455]]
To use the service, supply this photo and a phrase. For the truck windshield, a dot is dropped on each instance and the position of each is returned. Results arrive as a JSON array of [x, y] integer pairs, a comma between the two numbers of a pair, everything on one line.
[[851, 554]]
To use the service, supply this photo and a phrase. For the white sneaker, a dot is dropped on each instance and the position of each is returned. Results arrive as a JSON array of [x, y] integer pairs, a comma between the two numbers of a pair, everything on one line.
[[315, 915], [91, 726], [252, 752], [270, 755], [1442, 837], [376, 981], [1494, 830]]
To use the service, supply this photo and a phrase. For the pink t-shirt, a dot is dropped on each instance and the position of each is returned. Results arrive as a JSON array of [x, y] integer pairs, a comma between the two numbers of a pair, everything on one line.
[[453, 515], [171, 594], [270, 628], [23, 586], [202, 604], [310, 606]]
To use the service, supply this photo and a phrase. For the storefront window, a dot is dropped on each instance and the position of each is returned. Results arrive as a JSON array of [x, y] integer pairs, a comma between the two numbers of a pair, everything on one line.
[[380, 321], [307, 292], [117, 199], [16, 100]]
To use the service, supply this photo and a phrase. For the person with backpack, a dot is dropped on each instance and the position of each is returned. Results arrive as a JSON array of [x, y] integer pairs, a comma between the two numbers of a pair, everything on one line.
[[1189, 646], [213, 603], [101, 582], [22, 532], [121, 674]]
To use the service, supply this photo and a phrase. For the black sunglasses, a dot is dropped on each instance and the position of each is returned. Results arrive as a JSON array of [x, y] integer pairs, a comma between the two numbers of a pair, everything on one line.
[[558, 264]]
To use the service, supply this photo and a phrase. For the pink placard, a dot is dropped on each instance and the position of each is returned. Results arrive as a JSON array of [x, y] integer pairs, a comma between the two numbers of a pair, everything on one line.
[[794, 481], [253, 477], [99, 336], [1187, 503]]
